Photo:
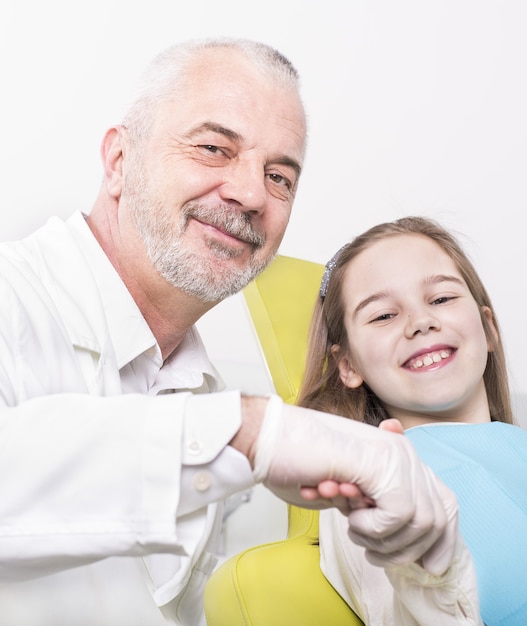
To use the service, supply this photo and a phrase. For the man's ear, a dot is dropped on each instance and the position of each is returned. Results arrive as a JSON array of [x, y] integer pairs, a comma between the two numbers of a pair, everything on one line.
[[112, 154], [348, 374], [489, 315]]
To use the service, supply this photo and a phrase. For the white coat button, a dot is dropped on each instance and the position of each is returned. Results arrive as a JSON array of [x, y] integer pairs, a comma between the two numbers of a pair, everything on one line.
[[194, 447], [202, 481]]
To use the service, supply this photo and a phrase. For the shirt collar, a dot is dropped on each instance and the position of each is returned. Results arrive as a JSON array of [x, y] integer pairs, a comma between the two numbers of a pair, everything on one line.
[[131, 337], [129, 332]]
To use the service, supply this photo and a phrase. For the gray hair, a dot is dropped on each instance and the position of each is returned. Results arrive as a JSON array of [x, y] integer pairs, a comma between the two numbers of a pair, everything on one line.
[[164, 74]]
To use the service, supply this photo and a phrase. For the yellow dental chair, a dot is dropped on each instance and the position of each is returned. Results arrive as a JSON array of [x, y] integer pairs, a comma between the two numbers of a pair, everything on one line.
[[280, 583]]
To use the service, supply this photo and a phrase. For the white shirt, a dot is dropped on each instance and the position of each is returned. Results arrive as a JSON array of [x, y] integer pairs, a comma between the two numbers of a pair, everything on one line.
[[403, 595], [107, 476]]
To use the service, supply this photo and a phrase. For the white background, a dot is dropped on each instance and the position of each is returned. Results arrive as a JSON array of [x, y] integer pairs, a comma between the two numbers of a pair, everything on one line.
[[415, 107]]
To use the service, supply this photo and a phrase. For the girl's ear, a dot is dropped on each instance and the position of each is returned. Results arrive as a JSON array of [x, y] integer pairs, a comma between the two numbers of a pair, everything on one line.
[[489, 315], [349, 376]]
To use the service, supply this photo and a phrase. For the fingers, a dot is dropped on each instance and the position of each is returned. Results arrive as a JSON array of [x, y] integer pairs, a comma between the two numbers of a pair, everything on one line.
[[309, 493], [395, 506], [313, 500], [344, 496], [332, 488], [355, 496], [429, 534], [404, 546], [392, 425]]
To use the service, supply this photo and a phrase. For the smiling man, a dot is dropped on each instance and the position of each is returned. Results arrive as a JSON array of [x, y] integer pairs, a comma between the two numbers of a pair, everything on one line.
[[118, 445]]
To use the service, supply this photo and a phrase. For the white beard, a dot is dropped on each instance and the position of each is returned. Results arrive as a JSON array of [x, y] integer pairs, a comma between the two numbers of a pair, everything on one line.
[[207, 278]]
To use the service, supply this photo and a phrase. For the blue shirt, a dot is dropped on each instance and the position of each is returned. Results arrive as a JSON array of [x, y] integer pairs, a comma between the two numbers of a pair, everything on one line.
[[486, 466]]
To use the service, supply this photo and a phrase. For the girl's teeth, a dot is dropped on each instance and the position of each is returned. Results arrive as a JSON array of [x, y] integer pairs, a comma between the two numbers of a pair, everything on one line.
[[429, 359]]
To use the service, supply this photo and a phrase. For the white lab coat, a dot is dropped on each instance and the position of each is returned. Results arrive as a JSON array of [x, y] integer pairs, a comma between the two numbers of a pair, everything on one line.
[[98, 456]]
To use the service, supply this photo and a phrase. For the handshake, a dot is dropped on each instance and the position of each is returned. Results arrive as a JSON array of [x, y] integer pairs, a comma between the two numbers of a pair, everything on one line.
[[397, 509]]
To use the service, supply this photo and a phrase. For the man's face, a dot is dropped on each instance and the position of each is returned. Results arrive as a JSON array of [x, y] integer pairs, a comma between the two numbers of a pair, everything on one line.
[[212, 189]]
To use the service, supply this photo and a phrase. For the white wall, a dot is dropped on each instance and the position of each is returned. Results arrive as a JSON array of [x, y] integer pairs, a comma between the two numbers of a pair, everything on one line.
[[415, 108]]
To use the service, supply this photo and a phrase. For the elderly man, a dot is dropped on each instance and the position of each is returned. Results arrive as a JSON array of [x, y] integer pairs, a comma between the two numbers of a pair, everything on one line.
[[118, 444]]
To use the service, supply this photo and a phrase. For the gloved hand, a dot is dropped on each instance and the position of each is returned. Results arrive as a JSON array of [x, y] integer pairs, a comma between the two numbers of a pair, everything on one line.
[[414, 515], [347, 496]]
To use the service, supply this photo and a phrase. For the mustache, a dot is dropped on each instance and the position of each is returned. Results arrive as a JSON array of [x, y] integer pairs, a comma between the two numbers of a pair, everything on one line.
[[223, 217]]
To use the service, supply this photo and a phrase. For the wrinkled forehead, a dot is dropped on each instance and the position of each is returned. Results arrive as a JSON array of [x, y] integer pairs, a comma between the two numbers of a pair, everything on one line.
[[226, 88], [231, 73]]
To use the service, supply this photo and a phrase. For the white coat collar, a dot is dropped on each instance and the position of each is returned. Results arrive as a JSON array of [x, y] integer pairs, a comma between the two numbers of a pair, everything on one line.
[[97, 308]]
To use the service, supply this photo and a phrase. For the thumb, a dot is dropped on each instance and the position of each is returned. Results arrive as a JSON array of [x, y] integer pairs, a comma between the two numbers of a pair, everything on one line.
[[392, 425]]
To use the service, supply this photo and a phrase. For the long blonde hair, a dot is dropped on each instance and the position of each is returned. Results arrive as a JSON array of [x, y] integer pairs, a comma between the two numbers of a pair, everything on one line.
[[322, 387]]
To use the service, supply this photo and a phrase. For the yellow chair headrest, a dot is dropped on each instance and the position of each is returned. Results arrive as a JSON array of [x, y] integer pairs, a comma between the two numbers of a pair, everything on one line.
[[280, 303]]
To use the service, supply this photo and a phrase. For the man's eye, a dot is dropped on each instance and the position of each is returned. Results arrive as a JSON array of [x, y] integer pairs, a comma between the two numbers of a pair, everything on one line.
[[280, 180], [211, 148]]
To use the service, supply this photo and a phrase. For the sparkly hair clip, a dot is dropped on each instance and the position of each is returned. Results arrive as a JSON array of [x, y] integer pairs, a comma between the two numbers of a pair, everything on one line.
[[330, 266]]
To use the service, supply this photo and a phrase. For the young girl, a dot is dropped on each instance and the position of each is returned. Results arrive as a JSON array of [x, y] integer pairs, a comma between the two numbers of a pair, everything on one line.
[[404, 329]]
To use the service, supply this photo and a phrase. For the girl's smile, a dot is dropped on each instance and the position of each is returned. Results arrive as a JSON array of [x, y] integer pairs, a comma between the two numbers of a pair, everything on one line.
[[425, 359], [415, 333]]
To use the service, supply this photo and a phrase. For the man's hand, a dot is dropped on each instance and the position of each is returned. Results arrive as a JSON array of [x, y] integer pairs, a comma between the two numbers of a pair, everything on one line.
[[402, 512], [346, 496]]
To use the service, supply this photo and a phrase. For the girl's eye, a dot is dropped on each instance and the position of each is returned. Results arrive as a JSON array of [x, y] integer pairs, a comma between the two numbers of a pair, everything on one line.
[[443, 299], [383, 317]]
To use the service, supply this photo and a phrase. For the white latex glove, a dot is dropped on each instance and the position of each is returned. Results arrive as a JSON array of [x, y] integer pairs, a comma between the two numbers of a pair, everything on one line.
[[414, 516]]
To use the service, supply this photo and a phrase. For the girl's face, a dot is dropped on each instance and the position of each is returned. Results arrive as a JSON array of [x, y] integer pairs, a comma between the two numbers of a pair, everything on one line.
[[415, 333]]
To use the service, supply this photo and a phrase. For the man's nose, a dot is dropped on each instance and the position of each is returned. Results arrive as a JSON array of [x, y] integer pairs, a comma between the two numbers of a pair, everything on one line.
[[245, 185]]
